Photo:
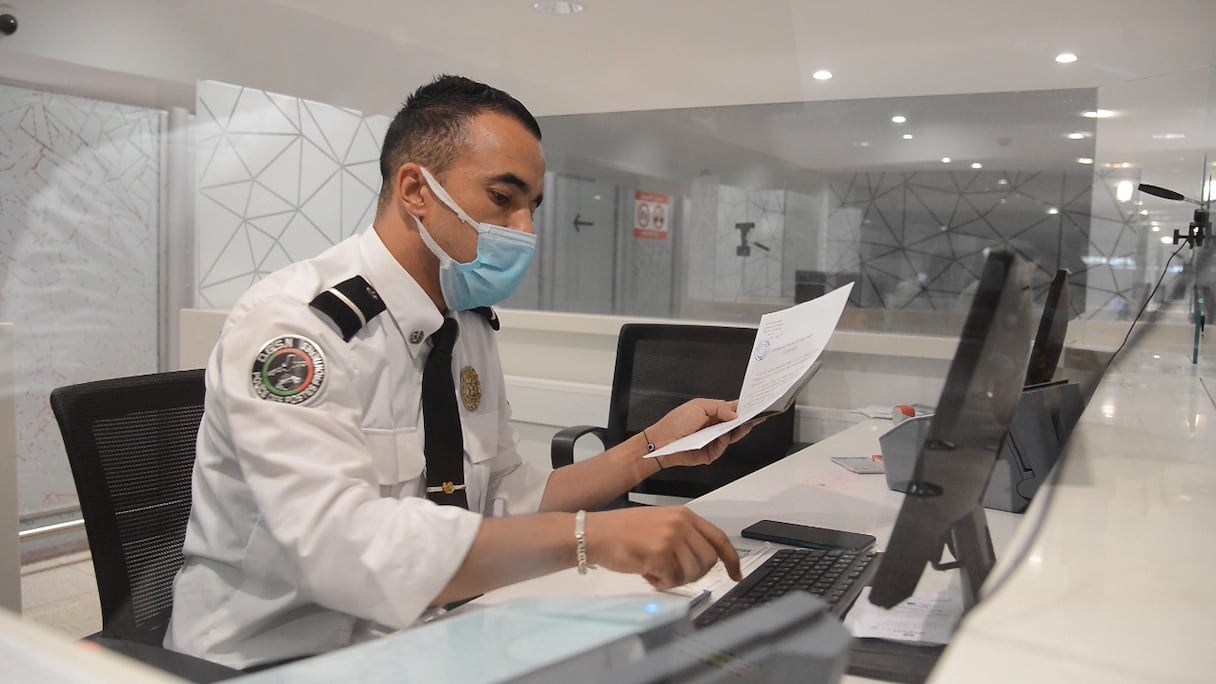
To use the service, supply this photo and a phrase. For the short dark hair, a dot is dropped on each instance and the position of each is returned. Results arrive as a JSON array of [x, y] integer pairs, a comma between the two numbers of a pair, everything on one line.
[[433, 122]]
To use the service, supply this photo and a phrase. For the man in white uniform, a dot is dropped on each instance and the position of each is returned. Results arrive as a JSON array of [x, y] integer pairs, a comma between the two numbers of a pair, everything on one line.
[[318, 516]]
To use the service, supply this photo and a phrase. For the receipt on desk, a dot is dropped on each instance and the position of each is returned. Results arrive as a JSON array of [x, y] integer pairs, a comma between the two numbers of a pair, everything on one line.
[[925, 618]]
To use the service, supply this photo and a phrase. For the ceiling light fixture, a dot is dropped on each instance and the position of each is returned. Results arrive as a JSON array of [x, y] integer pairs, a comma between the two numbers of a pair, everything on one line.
[[1066, 58], [1078, 135], [945, 160], [1167, 240], [899, 118], [821, 75], [1053, 211], [1098, 114], [907, 136], [1084, 160], [1157, 229], [1124, 190], [1169, 136], [976, 165], [557, 7]]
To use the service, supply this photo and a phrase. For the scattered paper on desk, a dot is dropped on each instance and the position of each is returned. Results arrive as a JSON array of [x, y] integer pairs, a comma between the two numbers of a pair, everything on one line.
[[782, 361], [875, 410], [925, 618]]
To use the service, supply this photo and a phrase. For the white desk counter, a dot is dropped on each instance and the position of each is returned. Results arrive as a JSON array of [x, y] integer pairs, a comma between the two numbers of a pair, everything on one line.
[[1113, 582], [805, 487], [1105, 578]]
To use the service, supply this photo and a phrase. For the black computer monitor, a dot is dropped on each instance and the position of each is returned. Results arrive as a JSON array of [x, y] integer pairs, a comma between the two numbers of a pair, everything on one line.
[[943, 503], [1049, 341]]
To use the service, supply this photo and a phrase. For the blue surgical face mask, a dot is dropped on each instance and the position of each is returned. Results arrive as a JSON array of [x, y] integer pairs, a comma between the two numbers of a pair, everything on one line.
[[503, 257]]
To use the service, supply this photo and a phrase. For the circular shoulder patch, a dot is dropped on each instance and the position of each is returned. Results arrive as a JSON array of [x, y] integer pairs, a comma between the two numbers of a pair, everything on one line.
[[289, 370]]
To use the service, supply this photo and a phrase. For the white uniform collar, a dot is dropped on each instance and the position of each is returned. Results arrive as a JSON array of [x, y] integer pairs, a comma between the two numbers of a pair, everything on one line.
[[410, 307]]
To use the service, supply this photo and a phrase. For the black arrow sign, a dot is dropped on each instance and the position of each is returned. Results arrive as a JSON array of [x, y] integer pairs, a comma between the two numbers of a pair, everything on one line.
[[578, 224]]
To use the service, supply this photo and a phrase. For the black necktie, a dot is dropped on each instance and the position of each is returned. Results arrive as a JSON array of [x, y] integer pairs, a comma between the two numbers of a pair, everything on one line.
[[443, 444]]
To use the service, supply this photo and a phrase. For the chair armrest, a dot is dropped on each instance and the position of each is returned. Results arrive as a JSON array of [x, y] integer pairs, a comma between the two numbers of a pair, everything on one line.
[[561, 449], [185, 666]]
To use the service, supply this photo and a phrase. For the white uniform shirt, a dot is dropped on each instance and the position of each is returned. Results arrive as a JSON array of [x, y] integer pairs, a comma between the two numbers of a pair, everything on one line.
[[309, 528]]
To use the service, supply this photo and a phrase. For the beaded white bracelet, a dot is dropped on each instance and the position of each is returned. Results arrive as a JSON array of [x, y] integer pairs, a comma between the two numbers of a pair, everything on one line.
[[580, 540]]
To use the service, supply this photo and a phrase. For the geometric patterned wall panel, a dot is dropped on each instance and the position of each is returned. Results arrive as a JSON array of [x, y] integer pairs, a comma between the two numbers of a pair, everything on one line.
[[751, 235], [916, 240], [1118, 272], [279, 179], [80, 182]]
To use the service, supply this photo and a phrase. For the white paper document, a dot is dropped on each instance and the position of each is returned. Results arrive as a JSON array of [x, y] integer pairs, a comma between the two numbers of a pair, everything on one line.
[[787, 345], [924, 618]]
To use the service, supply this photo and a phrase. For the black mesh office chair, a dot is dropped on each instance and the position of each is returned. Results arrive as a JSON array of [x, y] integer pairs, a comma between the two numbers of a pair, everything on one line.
[[130, 442], [660, 366]]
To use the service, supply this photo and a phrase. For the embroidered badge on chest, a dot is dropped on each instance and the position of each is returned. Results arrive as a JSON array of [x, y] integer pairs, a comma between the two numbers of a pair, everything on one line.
[[470, 388], [289, 370]]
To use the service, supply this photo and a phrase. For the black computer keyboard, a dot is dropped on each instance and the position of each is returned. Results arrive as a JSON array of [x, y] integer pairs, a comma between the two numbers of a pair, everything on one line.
[[834, 576]]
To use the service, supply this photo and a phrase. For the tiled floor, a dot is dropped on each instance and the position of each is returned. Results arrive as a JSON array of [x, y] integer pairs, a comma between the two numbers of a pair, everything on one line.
[[61, 593]]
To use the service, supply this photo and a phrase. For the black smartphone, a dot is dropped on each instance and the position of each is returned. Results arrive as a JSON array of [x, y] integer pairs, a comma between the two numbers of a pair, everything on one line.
[[807, 536]]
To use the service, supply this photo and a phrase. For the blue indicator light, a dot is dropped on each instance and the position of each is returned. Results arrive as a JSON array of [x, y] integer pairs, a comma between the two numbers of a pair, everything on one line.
[[652, 608]]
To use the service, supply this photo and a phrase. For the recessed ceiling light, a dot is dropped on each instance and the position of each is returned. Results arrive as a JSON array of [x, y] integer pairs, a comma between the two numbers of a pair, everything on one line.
[[899, 118], [907, 136], [1124, 190], [861, 143], [945, 160], [1156, 229], [976, 165], [1167, 240], [1066, 58], [557, 7], [1169, 136], [1138, 203], [1003, 181], [1084, 160], [1078, 135], [821, 75], [1144, 212], [1053, 211], [1098, 114]]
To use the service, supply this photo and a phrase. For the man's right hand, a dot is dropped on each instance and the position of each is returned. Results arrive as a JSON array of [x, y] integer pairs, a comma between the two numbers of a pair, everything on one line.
[[668, 546]]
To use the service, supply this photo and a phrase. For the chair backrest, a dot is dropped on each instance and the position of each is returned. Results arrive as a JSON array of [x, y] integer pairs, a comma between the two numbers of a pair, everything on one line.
[[130, 442], [660, 366]]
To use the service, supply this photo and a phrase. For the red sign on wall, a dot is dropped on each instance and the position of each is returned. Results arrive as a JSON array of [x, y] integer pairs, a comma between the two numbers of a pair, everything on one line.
[[650, 215]]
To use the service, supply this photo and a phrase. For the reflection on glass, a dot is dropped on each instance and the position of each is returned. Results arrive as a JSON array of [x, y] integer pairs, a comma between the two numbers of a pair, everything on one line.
[[777, 203]]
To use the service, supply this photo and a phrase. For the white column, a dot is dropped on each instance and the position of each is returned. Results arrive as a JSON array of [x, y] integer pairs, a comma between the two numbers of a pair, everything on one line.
[[10, 552]]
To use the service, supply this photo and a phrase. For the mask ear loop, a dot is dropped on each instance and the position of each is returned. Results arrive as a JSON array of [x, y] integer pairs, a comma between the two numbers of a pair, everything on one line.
[[444, 197]]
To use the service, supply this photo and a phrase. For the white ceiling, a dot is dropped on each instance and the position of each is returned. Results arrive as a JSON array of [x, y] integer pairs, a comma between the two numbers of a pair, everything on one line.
[[1153, 63]]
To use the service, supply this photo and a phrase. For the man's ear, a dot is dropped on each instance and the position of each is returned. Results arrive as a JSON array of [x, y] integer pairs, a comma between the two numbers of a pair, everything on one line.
[[408, 185]]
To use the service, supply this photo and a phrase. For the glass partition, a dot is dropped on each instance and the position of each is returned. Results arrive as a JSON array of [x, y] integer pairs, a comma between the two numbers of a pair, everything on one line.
[[725, 213]]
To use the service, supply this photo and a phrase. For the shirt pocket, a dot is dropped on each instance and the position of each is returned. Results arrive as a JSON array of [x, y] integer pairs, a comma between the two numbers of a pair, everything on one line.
[[396, 456], [480, 435]]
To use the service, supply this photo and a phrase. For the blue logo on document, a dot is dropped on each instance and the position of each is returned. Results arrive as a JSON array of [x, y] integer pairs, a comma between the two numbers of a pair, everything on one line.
[[762, 348]]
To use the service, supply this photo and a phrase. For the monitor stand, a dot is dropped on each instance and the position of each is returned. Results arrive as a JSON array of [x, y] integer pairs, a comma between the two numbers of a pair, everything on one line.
[[1041, 425], [970, 541]]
